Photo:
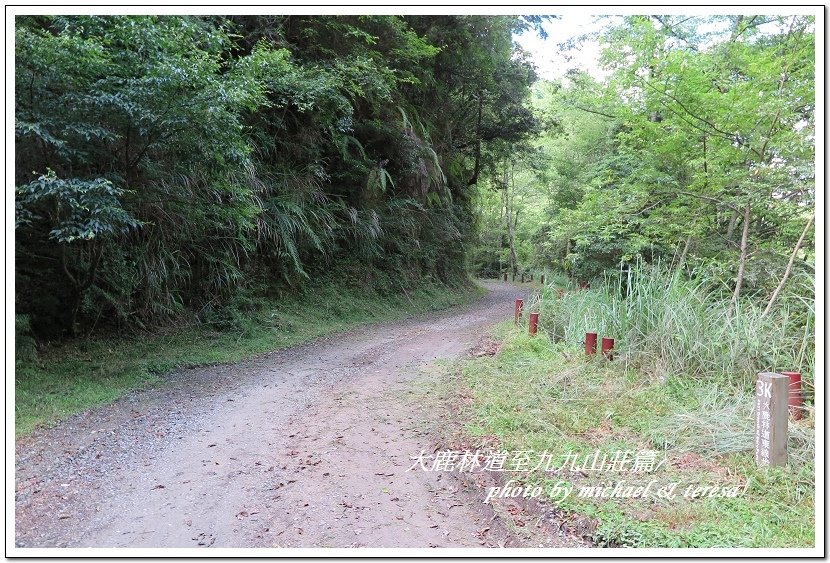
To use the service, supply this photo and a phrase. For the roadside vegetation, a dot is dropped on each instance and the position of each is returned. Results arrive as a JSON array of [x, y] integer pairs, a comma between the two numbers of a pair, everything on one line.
[[61, 379], [200, 189], [169, 167], [679, 191], [194, 189], [542, 393]]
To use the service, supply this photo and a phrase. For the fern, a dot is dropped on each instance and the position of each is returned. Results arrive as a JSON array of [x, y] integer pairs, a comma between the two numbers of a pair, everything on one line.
[[378, 179]]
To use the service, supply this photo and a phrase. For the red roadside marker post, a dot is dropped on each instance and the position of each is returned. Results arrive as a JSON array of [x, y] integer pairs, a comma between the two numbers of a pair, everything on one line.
[[608, 347], [590, 343], [794, 401], [519, 304], [534, 323]]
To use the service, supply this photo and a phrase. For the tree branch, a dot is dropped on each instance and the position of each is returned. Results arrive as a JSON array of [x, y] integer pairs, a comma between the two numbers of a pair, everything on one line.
[[65, 267], [674, 33], [608, 115], [701, 196], [789, 268], [712, 126]]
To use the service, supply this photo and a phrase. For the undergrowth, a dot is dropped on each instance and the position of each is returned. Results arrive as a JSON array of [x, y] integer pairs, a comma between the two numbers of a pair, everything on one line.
[[58, 380], [534, 395], [666, 323], [681, 386]]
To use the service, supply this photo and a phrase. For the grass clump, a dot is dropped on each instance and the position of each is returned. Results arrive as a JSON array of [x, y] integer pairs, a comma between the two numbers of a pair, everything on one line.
[[666, 323]]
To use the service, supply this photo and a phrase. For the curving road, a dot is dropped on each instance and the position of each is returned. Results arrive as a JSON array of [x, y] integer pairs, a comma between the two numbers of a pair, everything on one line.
[[305, 447]]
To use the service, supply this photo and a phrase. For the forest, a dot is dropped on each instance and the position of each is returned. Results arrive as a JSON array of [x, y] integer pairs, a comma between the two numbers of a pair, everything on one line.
[[171, 167], [180, 165], [693, 154], [683, 185]]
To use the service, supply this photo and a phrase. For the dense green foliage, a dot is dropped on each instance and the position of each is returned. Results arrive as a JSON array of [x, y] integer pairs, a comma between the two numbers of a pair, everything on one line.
[[682, 187], [698, 150], [167, 166], [240, 183], [696, 156]]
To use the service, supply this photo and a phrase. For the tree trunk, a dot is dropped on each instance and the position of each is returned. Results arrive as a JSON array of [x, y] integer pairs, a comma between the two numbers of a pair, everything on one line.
[[742, 260], [511, 221], [513, 245], [567, 253], [477, 167], [789, 269], [685, 252], [505, 244]]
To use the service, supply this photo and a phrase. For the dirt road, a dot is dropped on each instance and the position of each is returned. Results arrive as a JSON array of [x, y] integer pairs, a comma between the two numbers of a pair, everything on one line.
[[306, 447]]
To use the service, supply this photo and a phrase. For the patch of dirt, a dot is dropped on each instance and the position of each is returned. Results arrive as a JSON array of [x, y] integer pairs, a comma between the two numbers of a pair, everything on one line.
[[486, 346], [696, 467], [599, 434], [306, 447], [690, 462]]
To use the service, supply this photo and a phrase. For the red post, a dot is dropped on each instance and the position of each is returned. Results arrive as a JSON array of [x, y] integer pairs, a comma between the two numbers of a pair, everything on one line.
[[608, 347], [534, 323], [519, 304], [590, 343], [542, 279], [795, 400]]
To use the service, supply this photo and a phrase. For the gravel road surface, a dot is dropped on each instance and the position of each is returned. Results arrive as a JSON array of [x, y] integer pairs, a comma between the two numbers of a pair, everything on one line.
[[304, 447]]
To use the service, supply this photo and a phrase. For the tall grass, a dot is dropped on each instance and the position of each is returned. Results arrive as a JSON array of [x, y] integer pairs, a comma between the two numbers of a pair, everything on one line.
[[665, 323]]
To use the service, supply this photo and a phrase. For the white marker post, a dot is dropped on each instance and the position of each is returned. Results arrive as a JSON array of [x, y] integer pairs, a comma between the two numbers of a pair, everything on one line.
[[771, 409]]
